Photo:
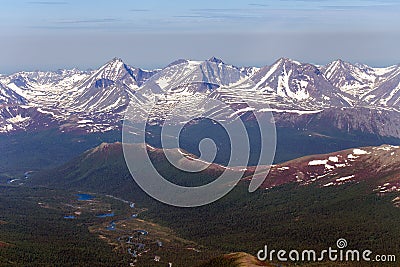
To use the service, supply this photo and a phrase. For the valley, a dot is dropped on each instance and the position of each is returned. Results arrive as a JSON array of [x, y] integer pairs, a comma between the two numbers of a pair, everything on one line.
[[77, 233], [286, 212], [335, 173]]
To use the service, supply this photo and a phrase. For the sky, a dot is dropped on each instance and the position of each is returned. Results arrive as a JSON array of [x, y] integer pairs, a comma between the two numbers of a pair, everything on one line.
[[49, 35]]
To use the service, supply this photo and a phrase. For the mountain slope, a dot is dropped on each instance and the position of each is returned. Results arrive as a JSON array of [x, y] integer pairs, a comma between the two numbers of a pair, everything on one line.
[[94, 168], [355, 121], [9, 97], [235, 260], [195, 77], [187, 83], [356, 80], [378, 166], [107, 89], [41, 88], [375, 86], [387, 94], [292, 80]]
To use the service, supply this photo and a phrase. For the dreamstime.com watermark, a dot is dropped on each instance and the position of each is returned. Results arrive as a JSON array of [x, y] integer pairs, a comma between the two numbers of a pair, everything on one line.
[[171, 110], [336, 254]]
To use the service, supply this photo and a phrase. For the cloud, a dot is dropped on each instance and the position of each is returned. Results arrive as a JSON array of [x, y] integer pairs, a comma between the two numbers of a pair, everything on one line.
[[343, 3], [48, 3], [356, 7], [80, 24], [189, 16], [87, 21], [259, 5], [140, 10], [218, 9], [225, 13]]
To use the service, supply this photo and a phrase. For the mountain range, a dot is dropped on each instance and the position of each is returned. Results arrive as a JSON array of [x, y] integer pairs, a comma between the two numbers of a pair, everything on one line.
[[311, 196], [344, 96]]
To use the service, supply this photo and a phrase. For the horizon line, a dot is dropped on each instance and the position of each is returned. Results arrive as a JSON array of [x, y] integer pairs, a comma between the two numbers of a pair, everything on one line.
[[200, 60]]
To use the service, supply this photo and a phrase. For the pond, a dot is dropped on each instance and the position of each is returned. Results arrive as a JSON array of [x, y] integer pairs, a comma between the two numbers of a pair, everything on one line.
[[111, 227], [84, 197], [143, 232], [105, 215]]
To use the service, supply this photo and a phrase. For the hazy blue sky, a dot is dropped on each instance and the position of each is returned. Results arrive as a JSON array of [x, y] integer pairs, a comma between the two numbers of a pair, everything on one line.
[[82, 33]]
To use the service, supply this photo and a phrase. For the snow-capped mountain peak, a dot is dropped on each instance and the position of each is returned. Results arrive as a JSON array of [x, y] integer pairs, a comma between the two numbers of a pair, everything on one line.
[[96, 100], [292, 81], [285, 60], [366, 84], [109, 88], [355, 79], [216, 60], [112, 71]]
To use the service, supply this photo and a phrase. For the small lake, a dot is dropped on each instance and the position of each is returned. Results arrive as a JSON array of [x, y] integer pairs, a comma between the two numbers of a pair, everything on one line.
[[143, 232], [84, 197], [111, 227], [105, 215]]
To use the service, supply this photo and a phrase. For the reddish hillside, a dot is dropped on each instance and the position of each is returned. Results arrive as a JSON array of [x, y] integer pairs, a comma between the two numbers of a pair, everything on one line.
[[378, 165]]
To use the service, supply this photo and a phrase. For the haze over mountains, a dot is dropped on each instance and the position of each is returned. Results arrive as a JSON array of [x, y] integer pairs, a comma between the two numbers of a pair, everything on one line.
[[348, 97]]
